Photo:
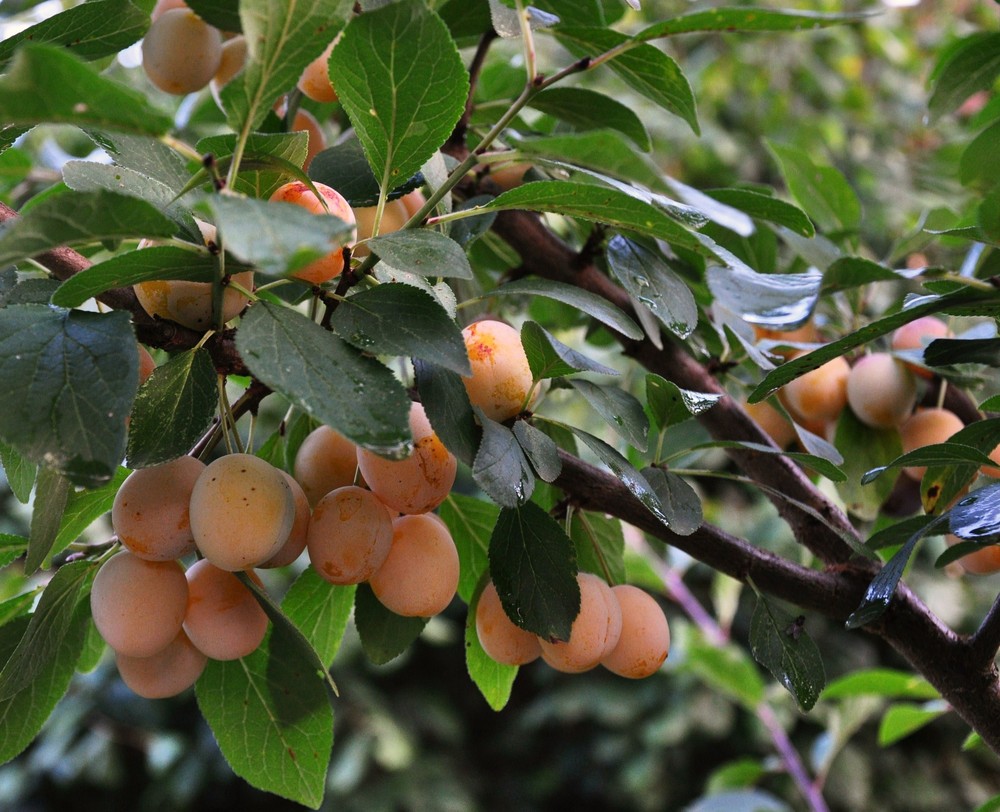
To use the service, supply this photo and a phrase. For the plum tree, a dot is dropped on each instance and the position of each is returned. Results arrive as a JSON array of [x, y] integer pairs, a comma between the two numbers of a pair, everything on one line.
[[595, 632], [501, 379], [645, 636], [181, 52], [500, 638], [223, 619], [881, 391], [350, 535], [242, 511], [327, 201]]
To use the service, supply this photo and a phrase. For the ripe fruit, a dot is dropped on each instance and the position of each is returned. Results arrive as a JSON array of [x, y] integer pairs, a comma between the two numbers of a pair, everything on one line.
[[150, 511], [165, 5], [296, 541], [329, 201], [927, 427], [233, 58], [419, 576], [242, 511], [166, 673], [315, 79], [989, 470], [190, 303], [146, 364], [181, 52], [772, 422], [326, 460], [418, 483], [413, 202], [394, 216], [918, 334], [500, 637], [509, 175], [645, 638], [881, 391], [137, 605], [306, 122], [501, 378], [819, 395], [350, 535], [223, 618], [594, 633], [984, 561]]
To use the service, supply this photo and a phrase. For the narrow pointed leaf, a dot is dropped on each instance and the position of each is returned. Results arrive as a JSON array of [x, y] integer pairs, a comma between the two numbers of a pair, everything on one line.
[[821, 190], [494, 680], [587, 109], [669, 404], [600, 545], [19, 472], [471, 522], [764, 207], [678, 500]]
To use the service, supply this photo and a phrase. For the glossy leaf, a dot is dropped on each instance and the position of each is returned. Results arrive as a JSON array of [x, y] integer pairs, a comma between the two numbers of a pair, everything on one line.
[[384, 634], [619, 409], [540, 450], [977, 516], [764, 207], [500, 467], [948, 453], [669, 404], [548, 357], [886, 682], [679, 502], [779, 642], [769, 299], [448, 408]]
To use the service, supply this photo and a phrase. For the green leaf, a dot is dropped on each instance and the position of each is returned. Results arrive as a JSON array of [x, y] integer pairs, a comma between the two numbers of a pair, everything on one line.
[[279, 697], [11, 548], [384, 634], [747, 19], [679, 502], [822, 465], [853, 272], [885, 682], [277, 239], [448, 408], [619, 409], [533, 566], [146, 155], [989, 223], [948, 453], [593, 305], [643, 67], [46, 85], [772, 299], [540, 450], [423, 252], [764, 207], [902, 719], [980, 161], [599, 204], [283, 36], [821, 190], [398, 319], [494, 680], [471, 522], [89, 31], [72, 218], [173, 409], [864, 448], [602, 154], [669, 404], [600, 545], [942, 485], [223, 14], [69, 379], [548, 357], [402, 82], [973, 65], [728, 669], [262, 149], [83, 508], [779, 642], [651, 281], [19, 605], [19, 472], [46, 633], [587, 109], [500, 467], [320, 610], [326, 378], [51, 494]]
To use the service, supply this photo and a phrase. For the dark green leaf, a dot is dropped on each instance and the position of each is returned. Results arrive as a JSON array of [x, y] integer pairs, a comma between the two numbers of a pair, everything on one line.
[[533, 566], [600, 545], [941, 485], [51, 494], [899, 532], [326, 378], [500, 467], [384, 635], [423, 252], [973, 65], [345, 168], [854, 272], [398, 319], [864, 448], [19, 472], [765, 207], [604, 152], [669, 404], [779, 642], [279, 149], [821, 190], [678, 500], [404, 107], [471, 522], [619, 409], [83, 508], [448, 408], [173, 409], [648, 279], [588, 109], [747, 19], [548, 357], [540, 449], [948, 453], [69, 379], [47, 85], [223, 14], [980, 161]]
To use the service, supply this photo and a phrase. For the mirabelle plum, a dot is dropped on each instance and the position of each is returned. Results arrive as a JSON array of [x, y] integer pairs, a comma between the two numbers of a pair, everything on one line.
[[594, 633], [984, 561], [991, 470], [190, 303], [926, 427], [916, 335], [821, 394], [350, 535], [394, 215], [150, 511], [772, 422], [165, 5], [419, 576], [146, 364], [296, 542], [137, 605], [500, 637], [881, 391], [501, 378], [242, 511], [645, 639], [329, 202], [418, 483], [181, 52], [413, 202], [315, 79], [166, 673], [223, 617], [234, 57], [509, 175], [326, 460]]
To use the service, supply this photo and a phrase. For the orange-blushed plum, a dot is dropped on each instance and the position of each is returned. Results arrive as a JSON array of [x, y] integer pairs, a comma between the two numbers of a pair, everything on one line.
[[234, 57], [992, 470], [296, 542], [190, 303], [594, 633], [501, 378], [984, 561], [138, 606], [419, 576], [315, 79], [772, 422], [421, 481], [916, 335], [927, 427], [394, 216], [150, 513], [645, 639], [165, 5], [166, 673], [326, 460], [510, 174], [881, 391], [181, 52], [223, 619], [821, 394], [504, 641], [350, 535], [328, 201], [413, 202], [242, 511]]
